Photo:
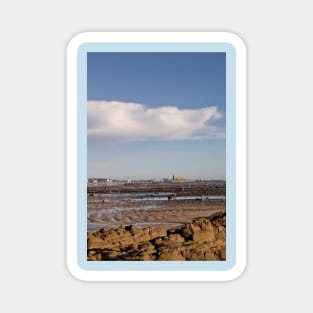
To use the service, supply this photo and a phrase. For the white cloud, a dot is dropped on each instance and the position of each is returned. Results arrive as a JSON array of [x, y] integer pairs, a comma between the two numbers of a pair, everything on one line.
[[136, 122]]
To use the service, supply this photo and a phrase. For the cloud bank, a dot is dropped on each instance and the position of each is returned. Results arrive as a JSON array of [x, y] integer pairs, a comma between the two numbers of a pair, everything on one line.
[[136, 122]]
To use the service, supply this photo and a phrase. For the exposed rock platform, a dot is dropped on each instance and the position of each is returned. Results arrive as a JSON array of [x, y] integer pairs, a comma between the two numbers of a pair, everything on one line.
[[201, 240]]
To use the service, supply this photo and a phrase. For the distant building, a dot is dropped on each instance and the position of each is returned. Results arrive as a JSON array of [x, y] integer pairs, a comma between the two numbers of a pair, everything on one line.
[[129, 181], [178, 178]]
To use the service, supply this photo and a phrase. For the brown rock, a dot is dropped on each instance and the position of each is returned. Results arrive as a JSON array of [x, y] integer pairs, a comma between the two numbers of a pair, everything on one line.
[[146, 246], [141, 237], [158, 232], [133, 229], [170, 255], [126, 241], [175, 238], [203, 239], [203, 236], [159, 241]]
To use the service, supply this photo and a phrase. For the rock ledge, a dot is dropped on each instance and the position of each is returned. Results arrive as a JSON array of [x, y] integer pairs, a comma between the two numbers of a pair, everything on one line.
[[202, 240]]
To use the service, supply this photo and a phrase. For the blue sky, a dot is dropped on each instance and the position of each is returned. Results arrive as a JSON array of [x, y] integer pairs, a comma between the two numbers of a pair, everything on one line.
[[151, 115]]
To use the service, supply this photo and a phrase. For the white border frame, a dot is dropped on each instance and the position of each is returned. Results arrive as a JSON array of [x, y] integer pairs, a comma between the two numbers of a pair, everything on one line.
[[132, 37]]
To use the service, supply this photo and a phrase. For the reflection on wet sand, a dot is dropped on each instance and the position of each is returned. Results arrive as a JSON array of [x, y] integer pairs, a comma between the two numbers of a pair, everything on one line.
[[152, 206]]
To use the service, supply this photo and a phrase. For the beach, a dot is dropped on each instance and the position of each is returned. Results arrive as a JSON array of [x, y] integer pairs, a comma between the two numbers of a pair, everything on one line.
[[134, 221]]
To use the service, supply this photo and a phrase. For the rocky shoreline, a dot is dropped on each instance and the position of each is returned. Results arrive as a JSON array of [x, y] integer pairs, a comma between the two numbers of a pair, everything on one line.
[[201, 240]]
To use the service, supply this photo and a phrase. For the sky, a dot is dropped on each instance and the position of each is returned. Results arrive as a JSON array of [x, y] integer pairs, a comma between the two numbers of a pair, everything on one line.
[[152, 115]]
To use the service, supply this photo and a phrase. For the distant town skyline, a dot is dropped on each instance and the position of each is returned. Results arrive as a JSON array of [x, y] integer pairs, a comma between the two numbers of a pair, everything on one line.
[[129, 179], [152, 115]]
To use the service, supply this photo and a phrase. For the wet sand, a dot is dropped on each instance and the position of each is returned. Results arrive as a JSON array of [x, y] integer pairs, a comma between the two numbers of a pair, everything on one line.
[[122, 205]]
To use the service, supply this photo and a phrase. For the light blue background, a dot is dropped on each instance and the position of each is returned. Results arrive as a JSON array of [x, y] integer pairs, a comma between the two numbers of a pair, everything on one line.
[[230, 157]]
